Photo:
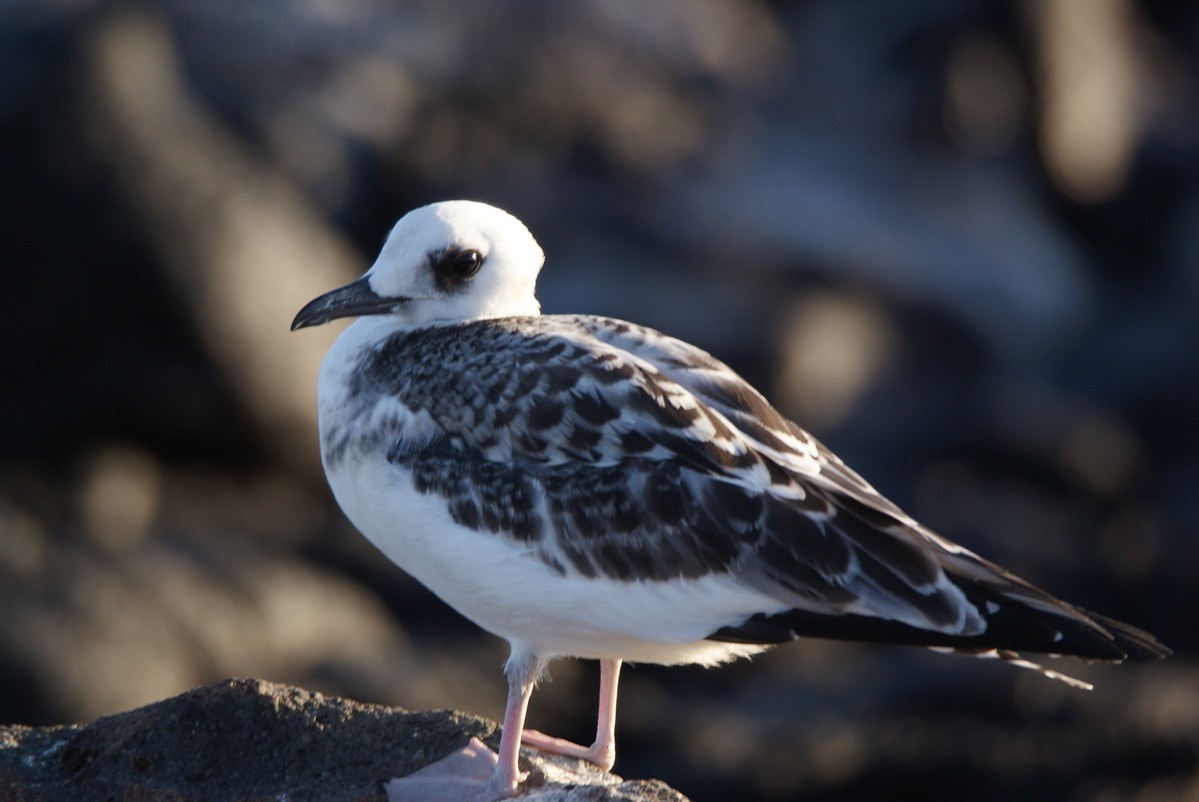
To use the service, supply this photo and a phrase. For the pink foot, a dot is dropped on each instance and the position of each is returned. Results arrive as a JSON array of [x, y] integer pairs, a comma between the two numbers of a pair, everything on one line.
[[600, 753], [464, 775]]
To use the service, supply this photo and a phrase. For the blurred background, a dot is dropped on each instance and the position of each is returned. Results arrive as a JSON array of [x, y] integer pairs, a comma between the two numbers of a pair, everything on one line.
[[959, 241]]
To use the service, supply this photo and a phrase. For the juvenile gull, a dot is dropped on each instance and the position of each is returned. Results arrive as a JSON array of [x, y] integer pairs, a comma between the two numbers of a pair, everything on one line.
[[586, 487]]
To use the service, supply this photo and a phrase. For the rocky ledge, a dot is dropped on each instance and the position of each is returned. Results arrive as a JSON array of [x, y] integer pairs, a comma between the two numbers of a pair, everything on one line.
[[246, 739]]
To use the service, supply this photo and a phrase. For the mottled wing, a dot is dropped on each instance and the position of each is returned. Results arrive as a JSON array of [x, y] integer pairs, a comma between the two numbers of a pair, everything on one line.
[[605, 464], [722, 390]]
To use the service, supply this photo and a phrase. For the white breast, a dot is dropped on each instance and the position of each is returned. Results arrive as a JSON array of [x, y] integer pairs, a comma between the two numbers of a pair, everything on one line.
[[510, 592]]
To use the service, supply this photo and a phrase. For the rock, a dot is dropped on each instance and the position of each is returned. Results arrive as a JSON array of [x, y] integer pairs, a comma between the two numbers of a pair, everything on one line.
[[247, 739]]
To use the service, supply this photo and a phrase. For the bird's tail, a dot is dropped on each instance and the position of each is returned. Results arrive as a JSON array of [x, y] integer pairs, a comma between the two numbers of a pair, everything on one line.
[[1020, 618]]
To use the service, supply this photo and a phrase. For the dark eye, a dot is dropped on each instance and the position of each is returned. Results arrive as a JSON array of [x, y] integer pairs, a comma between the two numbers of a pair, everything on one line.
[[463, 264], [453, 267]]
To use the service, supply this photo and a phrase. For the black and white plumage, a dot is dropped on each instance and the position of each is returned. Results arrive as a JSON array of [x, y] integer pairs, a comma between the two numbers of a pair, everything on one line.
[[586, 487]]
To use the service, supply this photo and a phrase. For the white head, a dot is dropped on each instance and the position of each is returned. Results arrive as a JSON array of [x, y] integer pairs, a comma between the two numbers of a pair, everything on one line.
[[449, 261]]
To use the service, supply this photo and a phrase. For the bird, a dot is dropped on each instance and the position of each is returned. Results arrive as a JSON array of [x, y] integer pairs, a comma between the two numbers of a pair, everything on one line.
[[586, 487]]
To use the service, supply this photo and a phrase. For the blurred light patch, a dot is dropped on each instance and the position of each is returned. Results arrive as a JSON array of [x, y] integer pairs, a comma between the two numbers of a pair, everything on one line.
[[333, 12], [740, 43], [23, 547], [835, 346], [370, 99], [119, 496], [633, 124], [311, 152], [622, 102], [725, 741], [265, 507], [838, 756], [1166, 703], [1102, 453], [1088, 91], [638, 81], [986, 101]]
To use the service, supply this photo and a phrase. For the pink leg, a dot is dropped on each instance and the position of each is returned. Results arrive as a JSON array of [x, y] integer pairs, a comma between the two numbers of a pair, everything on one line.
[[523, 671], [603, 752]]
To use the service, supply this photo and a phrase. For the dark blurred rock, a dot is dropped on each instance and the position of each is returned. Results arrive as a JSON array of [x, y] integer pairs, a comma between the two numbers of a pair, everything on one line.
[[246, 739]]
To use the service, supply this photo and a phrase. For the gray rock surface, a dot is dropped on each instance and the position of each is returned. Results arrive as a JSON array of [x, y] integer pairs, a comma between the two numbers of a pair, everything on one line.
[[248, 739]]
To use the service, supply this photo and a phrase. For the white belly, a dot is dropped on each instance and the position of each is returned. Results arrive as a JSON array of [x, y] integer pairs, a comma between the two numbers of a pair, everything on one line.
[[509, 591]]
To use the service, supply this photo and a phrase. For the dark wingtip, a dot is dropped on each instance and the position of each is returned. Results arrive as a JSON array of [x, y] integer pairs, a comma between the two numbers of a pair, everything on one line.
[[1137, 644]]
